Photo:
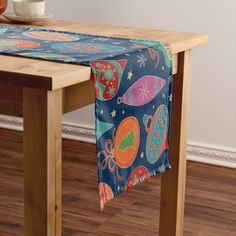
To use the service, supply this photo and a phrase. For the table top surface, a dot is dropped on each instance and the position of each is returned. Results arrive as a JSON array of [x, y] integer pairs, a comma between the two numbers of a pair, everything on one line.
[[48, 75]]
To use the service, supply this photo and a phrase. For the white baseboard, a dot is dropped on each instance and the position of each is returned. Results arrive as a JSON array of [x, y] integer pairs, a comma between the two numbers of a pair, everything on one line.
[[196, 152], [210, 154]]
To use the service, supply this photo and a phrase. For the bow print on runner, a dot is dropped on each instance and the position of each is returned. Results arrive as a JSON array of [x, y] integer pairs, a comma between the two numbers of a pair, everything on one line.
[[133, 87]]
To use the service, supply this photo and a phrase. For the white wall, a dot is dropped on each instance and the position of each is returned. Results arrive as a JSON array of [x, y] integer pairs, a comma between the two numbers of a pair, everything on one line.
[[213, 90]]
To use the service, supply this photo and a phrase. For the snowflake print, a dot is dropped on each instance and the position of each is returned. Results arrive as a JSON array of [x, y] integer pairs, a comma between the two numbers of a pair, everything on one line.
[[98, 64], [111, 90], [141, 60], [108, 74], [144, 90]]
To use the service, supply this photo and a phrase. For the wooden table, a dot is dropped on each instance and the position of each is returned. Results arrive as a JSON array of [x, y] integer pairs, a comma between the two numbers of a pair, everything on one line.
[[41, 91]]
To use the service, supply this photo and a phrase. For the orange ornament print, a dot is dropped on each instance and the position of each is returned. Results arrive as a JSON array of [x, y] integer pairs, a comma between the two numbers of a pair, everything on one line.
[[121, 150], [127, 142]]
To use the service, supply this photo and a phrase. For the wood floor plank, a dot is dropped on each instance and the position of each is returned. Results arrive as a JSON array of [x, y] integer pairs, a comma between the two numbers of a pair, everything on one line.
[[210, 197]]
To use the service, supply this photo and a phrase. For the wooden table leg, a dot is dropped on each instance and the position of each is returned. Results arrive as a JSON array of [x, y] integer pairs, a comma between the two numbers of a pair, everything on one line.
[[42, 162], [173, 182]]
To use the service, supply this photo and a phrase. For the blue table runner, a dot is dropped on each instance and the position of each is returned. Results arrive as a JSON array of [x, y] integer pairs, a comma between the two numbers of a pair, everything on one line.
[[133, 84]]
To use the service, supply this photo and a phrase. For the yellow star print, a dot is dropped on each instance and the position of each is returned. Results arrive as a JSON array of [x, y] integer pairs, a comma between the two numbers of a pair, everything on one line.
[[113, 113], [130, 75]]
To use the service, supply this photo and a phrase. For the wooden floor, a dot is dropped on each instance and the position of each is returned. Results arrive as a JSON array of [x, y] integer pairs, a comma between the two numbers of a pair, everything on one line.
[[210, 203]]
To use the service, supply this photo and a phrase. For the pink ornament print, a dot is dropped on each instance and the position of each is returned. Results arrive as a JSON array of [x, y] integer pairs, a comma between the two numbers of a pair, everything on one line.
[[142, 91]]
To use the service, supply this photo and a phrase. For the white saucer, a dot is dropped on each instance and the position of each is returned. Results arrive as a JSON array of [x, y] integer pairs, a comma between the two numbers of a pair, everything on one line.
[[20, 19]]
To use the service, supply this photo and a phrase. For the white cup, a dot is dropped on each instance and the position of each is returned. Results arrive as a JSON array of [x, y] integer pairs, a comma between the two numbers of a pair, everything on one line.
[[29, 8]]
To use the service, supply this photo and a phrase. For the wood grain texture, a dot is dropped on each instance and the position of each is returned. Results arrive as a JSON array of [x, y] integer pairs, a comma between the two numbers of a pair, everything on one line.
[[210, 197], [11, 97], [172, 198], [42, 162], [48, 75], [77, 96], [73, 97]]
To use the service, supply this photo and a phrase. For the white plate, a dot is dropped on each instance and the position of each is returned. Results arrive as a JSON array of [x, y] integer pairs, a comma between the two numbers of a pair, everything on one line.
[[13, 17]]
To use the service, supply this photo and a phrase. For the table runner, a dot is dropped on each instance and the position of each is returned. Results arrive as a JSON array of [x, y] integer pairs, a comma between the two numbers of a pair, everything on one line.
[[133, 84]]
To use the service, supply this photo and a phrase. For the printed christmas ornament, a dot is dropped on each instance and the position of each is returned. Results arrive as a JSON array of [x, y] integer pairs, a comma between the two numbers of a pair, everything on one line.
[[127, 142], [107, 77], [122, 150], [142, 91], [157, 128], [138, 175], [87, 48], [52, 36], [15, 44]]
